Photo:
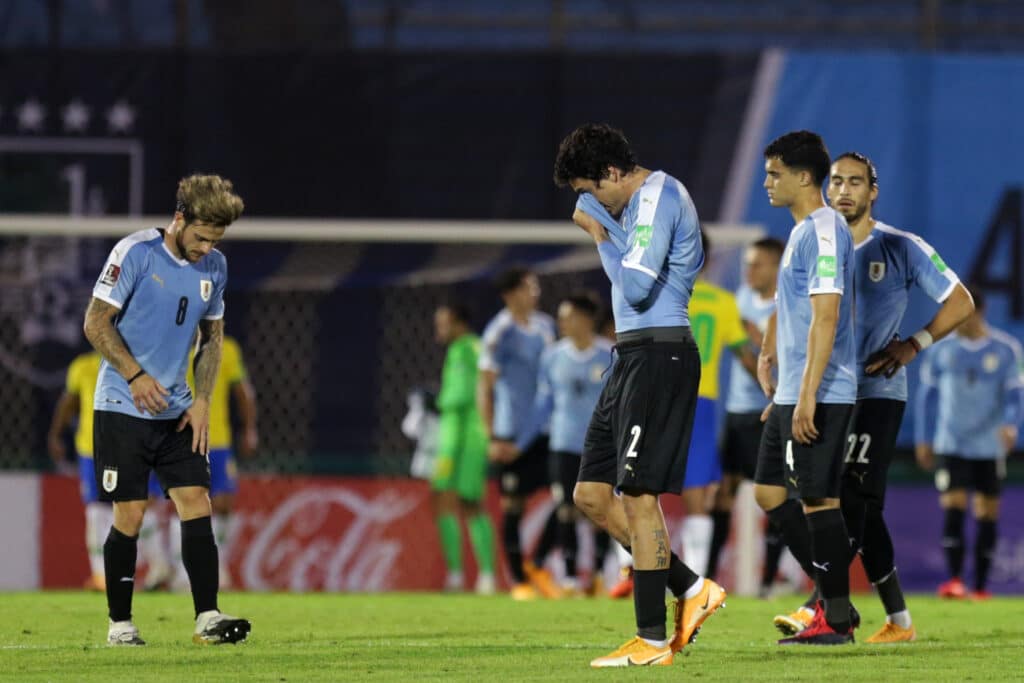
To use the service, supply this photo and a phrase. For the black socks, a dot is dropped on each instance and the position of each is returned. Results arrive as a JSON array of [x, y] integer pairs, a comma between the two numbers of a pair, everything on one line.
[[199, 555], [119, 553]]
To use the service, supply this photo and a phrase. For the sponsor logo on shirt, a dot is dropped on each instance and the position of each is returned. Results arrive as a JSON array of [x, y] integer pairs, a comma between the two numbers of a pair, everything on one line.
[[826, 266]]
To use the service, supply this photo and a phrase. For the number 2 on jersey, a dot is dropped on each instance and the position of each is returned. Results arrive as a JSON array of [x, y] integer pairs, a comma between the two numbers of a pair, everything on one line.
[[631, 451]]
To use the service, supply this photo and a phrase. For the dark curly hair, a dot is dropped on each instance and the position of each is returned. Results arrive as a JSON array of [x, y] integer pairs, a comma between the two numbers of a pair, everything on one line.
[[857, 156], [588, 151], [801, 150]]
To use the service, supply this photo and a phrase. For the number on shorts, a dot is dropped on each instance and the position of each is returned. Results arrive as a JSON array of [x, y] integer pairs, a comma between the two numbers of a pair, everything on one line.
[[789, 455], [182, 310], [865, 444], [631, 451]]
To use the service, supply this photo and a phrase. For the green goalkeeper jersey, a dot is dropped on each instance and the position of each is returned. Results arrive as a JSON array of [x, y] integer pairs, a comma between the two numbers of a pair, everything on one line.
[[462, 443]]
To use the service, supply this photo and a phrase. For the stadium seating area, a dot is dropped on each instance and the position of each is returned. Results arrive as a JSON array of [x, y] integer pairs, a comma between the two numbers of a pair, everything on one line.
[[659, 25]]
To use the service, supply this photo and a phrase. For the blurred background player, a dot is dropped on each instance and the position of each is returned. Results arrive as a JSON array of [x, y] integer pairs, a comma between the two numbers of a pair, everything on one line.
[[506, 390], [975, 375], [76, 403], [572, 375], [716, 324], [805, 432], [889, 264], [460, 467], [744, 403]]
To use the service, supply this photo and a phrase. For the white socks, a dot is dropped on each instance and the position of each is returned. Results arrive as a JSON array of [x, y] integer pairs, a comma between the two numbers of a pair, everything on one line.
[[901, 618], [696, 540]]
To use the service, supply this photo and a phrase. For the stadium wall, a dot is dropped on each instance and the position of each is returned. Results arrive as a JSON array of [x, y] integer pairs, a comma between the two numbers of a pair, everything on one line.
[[377, 534]]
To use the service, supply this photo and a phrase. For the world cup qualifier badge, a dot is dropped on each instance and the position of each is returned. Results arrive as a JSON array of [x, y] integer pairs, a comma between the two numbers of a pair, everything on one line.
[[109, 479], [111, 274]]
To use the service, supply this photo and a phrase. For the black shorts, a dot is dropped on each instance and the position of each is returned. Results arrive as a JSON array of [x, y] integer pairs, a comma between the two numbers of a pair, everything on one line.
[[741, 441], [563, 469], [870, 446], [983, 476], [527, 473], [126, 448], [639, 435], [812, 471]]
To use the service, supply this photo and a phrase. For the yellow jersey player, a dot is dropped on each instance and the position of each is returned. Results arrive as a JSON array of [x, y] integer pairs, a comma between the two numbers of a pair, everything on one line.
[[77, 402]]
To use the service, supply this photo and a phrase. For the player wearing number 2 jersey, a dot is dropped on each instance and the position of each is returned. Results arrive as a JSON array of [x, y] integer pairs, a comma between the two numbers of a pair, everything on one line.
[[158, 289]]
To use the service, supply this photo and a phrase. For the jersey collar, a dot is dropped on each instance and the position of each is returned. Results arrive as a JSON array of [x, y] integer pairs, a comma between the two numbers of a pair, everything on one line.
[[170, 254]]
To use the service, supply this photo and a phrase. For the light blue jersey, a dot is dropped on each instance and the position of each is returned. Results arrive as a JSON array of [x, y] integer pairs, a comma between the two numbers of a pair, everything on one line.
[[513, 352], [978, 384], [745, 395], [653, 255], [568, 387], [889, 263], [162, 298], [818, 260]]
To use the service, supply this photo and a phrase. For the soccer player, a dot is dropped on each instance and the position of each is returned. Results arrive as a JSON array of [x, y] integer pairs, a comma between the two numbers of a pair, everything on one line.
[[889, 263], [506, 389], [572, 374], [460, 468], [811, 337], [744, 403], [76, 402], [976, 377], [639, 435], [156, 290], [716, 324]]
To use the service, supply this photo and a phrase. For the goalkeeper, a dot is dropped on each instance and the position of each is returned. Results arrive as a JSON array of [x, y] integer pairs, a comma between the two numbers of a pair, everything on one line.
[[460, 471]]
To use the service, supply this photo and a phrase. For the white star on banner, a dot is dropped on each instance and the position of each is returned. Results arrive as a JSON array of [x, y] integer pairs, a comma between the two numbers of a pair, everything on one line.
[[31, 115], [121, 117], [76, 117]]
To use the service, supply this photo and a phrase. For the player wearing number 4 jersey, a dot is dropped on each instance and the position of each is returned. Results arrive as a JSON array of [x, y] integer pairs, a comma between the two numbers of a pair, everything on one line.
[[639, 434], [889, 263], [805, 433], [157, 289]]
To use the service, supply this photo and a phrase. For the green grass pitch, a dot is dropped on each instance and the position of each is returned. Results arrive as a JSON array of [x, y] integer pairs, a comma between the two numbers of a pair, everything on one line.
[[425, 637]]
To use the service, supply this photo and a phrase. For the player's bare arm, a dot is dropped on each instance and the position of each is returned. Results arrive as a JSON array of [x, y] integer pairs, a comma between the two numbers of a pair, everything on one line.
[[63, 414], [767, 359], [820, 339], [211, 341], [147, 393], [899, 352], [245, 399]]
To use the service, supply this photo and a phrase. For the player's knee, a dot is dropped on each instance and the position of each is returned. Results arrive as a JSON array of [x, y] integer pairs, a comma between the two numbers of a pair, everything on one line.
[[956, 499], [511, 504], [591, 498], [191, 502], [986, 508], [128, 517]]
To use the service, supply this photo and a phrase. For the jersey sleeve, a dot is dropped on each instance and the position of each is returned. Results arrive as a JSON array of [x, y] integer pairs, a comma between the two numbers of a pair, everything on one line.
[[231, 368], [824, 256], [73, 382], [120, 274], [927, 269], [588, 204], [733, 333], [490, 349], [215, 309], [458, 382], [649, 241]]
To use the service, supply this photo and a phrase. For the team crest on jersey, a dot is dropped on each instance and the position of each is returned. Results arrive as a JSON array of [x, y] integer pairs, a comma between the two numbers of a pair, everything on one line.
[[990, 362], [109, 479], [205, 289], [111, 274], [876, 271]]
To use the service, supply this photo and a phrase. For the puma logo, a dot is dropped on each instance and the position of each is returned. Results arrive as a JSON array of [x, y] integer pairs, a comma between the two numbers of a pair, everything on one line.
[[860, 476], [158, 279], [793, 481], [821, 567]]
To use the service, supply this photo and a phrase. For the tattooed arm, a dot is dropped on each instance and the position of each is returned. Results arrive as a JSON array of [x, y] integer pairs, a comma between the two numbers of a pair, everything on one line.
[[147, 393], [211, 340]]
